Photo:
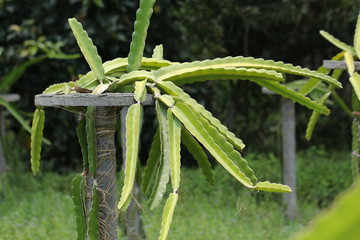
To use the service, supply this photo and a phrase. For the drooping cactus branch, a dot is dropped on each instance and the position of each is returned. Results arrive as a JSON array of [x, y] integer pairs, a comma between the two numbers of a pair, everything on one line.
[[133, 225]]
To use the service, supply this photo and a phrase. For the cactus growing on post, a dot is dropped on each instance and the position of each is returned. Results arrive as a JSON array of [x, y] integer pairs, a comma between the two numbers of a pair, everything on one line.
[[180, 118], [349, 54]]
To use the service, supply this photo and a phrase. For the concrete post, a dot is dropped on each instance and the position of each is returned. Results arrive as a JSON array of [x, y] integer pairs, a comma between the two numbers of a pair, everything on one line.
[[289, 155]]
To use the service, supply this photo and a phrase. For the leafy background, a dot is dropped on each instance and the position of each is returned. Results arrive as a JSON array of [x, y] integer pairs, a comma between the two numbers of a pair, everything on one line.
[[197, 29]]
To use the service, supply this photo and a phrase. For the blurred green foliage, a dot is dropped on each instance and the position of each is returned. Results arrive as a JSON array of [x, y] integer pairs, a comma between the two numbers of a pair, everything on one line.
[[329, 180], [330, 224], [318, 181], [194, 29]]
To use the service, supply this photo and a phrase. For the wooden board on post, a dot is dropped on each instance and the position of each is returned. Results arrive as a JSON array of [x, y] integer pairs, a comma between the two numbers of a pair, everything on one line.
[[88, 99], [106, 104], [330, 64]]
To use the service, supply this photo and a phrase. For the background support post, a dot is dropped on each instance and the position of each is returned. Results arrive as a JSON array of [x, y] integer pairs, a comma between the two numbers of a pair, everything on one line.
[[289, 155]]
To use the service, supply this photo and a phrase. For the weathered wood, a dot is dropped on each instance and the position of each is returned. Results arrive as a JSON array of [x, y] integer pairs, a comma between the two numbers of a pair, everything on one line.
[[338, 64], [88, 99], [289, 155]]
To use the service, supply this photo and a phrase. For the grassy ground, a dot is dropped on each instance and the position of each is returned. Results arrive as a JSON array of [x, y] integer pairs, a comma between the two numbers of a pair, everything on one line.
[[232, 214], [41, 208], [33, 209]]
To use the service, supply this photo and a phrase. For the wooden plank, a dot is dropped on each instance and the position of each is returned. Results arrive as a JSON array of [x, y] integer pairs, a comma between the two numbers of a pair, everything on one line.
[[339, 64], [88, 99]]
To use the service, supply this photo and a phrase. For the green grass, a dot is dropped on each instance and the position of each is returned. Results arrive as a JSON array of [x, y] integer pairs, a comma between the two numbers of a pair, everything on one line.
[[227, 211], [231, 214], [36, 210], [41, 207]]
